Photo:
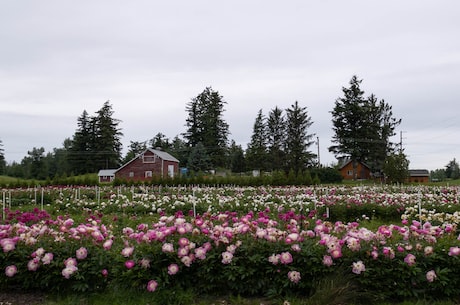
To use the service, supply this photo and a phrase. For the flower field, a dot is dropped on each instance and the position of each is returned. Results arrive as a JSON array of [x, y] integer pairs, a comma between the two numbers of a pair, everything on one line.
[[390, 242]]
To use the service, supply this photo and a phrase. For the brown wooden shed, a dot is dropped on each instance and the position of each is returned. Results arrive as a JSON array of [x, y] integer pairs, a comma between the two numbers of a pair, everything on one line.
[[419, 175], [362, 170]]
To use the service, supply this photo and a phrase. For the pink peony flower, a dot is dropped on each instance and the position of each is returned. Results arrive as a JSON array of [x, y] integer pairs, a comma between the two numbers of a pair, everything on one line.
[[152, 285], [145, 263], [274, 259], [200, 253], [167, 248], [130, 264], [8, 244], [388, 252], [327, 260], [296, 248], [104, 272], [68, 271], [11, 270], [187, 260], [81, 253], [127, 252], [107, 244], [33, 264], [294, 276], [173, 269], [336, 253], [454, 251], [428, 250], [358, 267], [227, 257], [47, 258], [410, 259], [431, 276], [38, 253], [183, 242], [286, 258], [70, 262]]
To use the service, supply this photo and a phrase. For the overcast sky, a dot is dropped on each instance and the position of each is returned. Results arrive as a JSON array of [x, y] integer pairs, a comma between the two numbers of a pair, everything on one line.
[[149, 58]]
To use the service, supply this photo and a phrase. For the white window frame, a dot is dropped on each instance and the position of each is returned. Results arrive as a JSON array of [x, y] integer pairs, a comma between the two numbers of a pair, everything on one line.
[[149, 158]]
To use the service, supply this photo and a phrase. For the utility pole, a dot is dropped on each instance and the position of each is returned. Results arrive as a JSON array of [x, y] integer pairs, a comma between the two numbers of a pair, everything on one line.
[[401, 142], [319, 160]]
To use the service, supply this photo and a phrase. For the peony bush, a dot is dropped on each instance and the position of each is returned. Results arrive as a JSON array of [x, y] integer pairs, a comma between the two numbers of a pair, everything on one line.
[[246, 241]]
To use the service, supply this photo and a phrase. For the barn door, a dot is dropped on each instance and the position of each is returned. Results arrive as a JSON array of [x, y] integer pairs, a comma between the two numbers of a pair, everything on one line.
[[171, 170]]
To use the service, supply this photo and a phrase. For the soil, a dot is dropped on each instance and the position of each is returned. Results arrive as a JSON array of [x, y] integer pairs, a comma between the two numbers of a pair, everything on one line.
[[21, 298]]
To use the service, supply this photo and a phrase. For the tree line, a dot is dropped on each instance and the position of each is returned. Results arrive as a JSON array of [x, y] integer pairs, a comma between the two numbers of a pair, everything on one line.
[[281, 140]]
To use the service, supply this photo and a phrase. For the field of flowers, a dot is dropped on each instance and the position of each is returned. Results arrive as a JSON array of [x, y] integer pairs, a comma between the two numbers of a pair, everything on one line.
[[390, 242]]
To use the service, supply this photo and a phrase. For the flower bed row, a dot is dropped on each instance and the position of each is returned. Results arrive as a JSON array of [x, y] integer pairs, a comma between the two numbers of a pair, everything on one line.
[[338, 203], [268, 253]]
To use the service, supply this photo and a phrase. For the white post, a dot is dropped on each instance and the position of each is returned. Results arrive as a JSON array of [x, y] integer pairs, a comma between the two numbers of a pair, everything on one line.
[[420, 208], [4, 216], [327, 212], [42, 199]]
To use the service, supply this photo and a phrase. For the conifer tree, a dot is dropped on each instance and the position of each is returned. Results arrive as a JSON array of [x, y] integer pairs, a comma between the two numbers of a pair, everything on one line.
[[205, 125], [256, 154], [362, 128], [276, 136], [298, 140]]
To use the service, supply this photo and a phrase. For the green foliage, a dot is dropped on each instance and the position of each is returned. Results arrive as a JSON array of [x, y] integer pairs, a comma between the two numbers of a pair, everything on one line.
[[298, 140], [256, 152], [362, 127], [205, 124], [396, 168]]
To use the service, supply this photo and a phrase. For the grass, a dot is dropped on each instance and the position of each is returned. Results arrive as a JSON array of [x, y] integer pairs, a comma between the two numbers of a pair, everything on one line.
[[337, 296]]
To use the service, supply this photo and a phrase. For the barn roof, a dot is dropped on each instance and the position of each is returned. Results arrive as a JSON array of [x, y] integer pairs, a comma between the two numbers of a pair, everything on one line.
[[160, 153]]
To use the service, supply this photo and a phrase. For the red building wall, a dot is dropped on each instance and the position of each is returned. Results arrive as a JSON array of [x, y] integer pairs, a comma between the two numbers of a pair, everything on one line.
[[136, 169], [362, 172]]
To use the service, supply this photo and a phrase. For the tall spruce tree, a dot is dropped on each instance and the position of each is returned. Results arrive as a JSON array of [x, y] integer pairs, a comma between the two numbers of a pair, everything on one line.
[[108, 138], [96, 143], [362, 128], [205, 125], [298, 140], [237, 161], [256, 153], [80, 156], [276, 135]]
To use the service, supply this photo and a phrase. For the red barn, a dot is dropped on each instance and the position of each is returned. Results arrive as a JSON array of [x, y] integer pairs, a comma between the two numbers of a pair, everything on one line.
[[150, 163]]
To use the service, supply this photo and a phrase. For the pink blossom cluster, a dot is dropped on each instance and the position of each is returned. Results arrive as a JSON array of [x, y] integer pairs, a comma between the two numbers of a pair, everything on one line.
[[187, 240]]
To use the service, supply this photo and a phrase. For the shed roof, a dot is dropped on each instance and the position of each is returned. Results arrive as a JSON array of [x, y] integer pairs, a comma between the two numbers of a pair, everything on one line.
[[419, 173], [347, 161], [106, 172]]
